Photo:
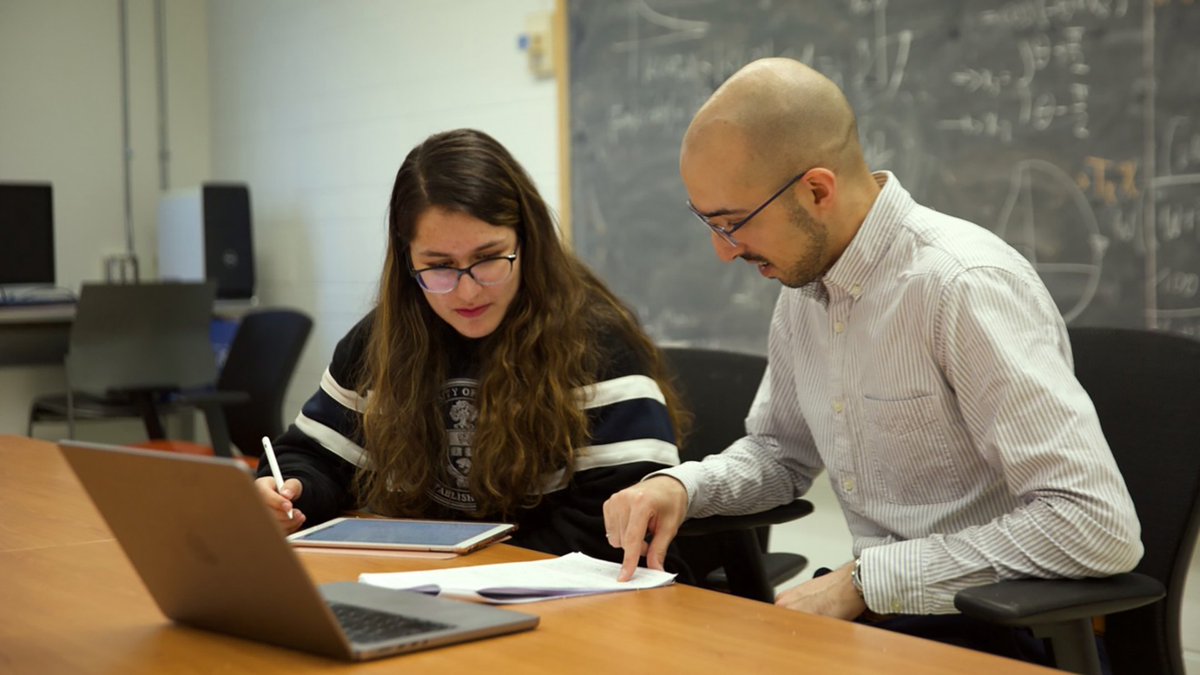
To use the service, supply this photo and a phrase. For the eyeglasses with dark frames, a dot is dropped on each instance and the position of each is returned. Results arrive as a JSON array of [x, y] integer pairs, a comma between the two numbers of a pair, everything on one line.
[[439, 279], [726, 233]]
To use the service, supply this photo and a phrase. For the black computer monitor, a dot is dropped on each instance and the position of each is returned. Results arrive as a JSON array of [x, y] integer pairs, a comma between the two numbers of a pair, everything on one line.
[[26, 234]]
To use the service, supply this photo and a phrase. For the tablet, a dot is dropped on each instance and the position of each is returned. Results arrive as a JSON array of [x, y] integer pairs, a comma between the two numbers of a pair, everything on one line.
[[403, 534]]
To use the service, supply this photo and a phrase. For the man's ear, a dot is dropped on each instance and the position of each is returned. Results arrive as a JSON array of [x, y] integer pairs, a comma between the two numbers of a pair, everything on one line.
[[822, 185]]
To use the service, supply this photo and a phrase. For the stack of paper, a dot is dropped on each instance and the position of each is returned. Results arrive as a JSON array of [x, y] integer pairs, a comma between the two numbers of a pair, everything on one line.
[[571, 575]]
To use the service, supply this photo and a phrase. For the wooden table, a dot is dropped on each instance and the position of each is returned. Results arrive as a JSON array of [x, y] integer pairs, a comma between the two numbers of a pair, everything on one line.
[[71, 602]]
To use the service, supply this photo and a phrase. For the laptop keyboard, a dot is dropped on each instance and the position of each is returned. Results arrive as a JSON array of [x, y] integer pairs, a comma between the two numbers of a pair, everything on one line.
[[370, 625]]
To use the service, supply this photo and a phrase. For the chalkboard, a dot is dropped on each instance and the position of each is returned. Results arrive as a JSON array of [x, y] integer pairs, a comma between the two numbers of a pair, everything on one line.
[[1069, 127]]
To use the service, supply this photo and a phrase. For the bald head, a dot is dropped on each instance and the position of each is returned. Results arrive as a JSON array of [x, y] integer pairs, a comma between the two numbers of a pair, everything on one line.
[[784, 117]]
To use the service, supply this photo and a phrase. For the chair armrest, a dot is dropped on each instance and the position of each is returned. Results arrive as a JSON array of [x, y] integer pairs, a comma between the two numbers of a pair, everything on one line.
[[209, 396], [749, 521], [212, 403], [1030, 602]]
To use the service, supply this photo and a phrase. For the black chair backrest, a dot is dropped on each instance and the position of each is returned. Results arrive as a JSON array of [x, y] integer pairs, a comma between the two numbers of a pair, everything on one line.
[[717, 387], [142, 336], [261, 361], [1146, 388]]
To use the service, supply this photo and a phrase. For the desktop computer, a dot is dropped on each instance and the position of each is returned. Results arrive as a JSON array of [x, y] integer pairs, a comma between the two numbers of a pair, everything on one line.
[[204, 234], [27, 271]]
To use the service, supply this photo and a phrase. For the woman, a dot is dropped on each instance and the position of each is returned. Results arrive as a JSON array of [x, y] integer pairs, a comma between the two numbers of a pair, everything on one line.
[[497, 378]]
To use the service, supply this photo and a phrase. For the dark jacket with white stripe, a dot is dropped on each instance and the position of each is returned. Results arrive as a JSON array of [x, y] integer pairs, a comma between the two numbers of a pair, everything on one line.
[[631, 436]]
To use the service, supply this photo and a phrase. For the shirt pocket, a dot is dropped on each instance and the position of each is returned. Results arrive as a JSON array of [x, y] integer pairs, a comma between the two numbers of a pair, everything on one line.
[[909, 452]]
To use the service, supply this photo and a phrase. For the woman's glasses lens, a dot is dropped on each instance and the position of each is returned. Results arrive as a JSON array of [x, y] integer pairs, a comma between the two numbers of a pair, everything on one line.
[[487, 272]]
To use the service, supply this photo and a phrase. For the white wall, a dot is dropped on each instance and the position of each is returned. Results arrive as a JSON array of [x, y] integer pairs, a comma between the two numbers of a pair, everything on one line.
[[316, 106], [60, 121]]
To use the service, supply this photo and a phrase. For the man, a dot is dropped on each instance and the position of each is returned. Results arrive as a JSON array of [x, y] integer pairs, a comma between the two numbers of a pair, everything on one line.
[[914, 356]]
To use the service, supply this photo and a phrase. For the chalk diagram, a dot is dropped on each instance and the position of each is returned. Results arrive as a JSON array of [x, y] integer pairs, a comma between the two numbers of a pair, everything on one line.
[[1049, 220], [1176, 197], [679, 30]]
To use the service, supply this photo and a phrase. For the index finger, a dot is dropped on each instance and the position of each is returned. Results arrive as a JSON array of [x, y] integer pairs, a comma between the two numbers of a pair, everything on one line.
[[633, 540]]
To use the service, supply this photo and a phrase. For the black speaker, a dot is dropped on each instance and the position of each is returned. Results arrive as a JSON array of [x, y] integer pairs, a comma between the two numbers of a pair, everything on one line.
[[228, 243], [204, 235]]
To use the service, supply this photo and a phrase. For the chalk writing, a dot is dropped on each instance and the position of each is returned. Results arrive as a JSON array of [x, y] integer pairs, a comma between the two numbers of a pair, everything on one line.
[[1068, 127], [1109, 180]]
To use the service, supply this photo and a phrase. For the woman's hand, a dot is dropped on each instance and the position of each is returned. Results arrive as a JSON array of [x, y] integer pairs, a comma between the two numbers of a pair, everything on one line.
[[279, 503]]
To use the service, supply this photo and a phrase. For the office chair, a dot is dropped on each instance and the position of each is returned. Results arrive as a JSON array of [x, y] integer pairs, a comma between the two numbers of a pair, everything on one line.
[[1146, 388], [247, 403], [727, 553], [129, 344]]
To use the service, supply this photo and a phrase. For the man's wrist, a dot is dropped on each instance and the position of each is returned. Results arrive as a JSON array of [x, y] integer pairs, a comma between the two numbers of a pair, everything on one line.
[[678, 491], [685, 477]]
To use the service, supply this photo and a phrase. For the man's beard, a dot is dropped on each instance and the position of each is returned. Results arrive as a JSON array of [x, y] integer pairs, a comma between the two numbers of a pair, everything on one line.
[[812, 265]]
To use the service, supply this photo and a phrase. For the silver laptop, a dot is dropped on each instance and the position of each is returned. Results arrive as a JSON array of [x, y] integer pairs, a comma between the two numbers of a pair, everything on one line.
[[197, 532]]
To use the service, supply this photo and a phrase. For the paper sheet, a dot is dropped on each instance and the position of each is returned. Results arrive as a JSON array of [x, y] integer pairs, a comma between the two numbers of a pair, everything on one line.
[[568, 576]]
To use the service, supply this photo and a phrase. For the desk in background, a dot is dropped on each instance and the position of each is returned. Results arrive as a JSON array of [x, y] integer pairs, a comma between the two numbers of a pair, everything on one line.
[[37, 334], [72, 603]]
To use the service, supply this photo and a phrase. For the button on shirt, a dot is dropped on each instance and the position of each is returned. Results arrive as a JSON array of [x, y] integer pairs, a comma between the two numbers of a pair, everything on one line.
[[930, 373]]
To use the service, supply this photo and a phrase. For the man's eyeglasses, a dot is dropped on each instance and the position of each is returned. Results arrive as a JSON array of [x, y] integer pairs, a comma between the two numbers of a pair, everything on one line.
[[726, 233], [443, 278]]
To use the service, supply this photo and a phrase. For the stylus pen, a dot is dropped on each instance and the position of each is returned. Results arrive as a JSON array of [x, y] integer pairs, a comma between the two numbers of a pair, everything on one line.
[[270, 452]]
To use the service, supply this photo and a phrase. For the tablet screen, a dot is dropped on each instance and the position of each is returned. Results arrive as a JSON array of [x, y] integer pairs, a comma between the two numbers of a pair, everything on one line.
[[396, 532]]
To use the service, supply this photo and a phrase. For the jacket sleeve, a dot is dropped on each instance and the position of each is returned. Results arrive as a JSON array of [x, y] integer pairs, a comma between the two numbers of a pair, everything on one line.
[[323, 446], [630, 437]]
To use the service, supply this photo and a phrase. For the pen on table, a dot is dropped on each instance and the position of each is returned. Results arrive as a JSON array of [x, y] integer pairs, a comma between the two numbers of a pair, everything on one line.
[[270, 452]]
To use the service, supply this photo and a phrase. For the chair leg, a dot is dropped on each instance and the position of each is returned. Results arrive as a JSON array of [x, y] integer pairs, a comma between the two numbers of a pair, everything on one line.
[[150, 417], [745, 573], [1073, 644], [218, 430]]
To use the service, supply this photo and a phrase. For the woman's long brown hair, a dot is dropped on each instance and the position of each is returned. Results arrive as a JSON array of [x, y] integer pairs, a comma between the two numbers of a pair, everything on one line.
[[530, 421]]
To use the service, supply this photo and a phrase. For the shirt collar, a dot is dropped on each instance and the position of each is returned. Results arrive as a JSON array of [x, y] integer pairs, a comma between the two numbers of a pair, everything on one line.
[[852, 270]]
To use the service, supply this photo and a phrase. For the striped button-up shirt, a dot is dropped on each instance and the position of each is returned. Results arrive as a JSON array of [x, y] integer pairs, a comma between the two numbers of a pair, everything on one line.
[[929, 372]]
